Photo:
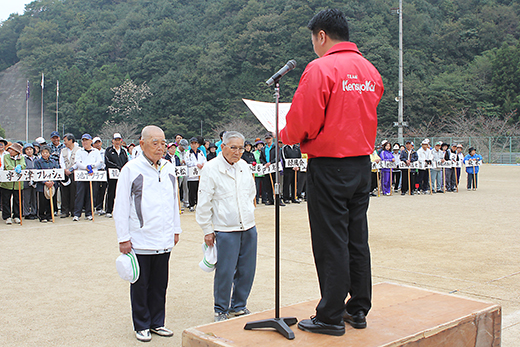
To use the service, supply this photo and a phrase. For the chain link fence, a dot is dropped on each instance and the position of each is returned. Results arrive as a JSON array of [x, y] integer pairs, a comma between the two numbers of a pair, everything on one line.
[[494, 150]]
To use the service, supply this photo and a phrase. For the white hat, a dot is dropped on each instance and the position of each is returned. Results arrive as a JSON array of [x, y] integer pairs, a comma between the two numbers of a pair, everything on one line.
[[425, 142], [128, 267], [117, 136], [48, 192], [210, 257], [396, 146], [96, 139], [40, 140]]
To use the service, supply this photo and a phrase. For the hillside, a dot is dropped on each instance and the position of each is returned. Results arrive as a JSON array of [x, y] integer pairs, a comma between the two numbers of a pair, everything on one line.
[[200, 57]]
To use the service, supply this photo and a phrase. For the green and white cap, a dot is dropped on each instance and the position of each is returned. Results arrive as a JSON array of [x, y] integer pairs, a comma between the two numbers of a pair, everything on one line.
[[128, 267], [210, 257]]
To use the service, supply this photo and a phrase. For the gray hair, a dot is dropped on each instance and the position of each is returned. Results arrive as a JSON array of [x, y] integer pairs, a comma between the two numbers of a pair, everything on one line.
[[228, 135], [149, 130]]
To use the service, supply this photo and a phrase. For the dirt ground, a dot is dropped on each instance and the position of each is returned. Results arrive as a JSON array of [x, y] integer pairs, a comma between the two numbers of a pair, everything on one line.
[[59, 285]]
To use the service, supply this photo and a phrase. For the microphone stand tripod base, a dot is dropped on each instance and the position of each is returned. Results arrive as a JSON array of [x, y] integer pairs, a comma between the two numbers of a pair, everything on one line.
[[280, 324]]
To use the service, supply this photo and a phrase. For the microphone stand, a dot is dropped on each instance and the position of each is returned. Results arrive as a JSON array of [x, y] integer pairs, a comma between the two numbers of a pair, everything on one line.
[[280, 324]]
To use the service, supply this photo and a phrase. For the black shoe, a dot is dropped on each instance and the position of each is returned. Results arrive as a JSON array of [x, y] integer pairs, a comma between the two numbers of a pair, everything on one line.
[[357, 321], [295, 201], [403, 193], [64, 215], [314, 325], [281, 203], [286, 201], [269, 203]]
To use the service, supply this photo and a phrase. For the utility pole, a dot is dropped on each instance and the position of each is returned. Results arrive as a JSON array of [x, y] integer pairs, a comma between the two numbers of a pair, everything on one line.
[[400, 97]]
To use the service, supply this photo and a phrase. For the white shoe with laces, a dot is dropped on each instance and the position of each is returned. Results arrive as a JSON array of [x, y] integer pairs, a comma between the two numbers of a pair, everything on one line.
[[16, 220], [9, 221], [143, 335], [108, 215], [162, 331], [75, 219], [88, 218]]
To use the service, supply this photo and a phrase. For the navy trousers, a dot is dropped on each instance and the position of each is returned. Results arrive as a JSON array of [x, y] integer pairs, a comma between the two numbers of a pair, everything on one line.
[[338, 201], [148, 294]]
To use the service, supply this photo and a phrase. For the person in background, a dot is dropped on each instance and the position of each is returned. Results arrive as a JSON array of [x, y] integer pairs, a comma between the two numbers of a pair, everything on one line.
[[89, 159], [146, 215], [455, 158], [396, 172], [3, 144], [178, 139], [219, 142], [44, 204], [248, 156], [170, 154], [409, 156], [226, 215], [30, 202], [206, 147], [374, 158], [472, 170], [437, 155], [130, 150], [101, 186], [265, 159], [212, 151], [259, 178], [195, 159], [386, 175], [201, 147], [68, 186], [460, 157], [36, 146], [12, 160], [446, 177], [182, 153], [115, 158], [56, 146], [424, 155], [289, 173]]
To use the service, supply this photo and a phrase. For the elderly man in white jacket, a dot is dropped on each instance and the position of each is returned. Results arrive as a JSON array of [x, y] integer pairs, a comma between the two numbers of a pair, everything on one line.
[[146, 215], [225, 212]]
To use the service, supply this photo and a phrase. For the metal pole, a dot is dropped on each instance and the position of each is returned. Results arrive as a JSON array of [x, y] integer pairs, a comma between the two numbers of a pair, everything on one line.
[[201, 127], [489, 150], [277, 207], [26, 116], [41, 122], [57, 99], [510, 150], [400, 114]]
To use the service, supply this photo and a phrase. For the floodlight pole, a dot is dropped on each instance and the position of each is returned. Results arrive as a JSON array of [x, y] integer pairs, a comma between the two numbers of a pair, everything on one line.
[[400, 112]]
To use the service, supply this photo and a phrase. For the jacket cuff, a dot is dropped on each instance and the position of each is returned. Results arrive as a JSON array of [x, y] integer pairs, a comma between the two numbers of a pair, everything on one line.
[[208, 230]]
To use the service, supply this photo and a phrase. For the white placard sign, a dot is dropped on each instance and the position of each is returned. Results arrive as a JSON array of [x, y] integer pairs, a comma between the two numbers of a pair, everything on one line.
[[181, 171], [34, 175], [446, 164], [193, 171], [473, 162], [82, 176], [113, 174], [296, 162], [413, 165], [266, 113]]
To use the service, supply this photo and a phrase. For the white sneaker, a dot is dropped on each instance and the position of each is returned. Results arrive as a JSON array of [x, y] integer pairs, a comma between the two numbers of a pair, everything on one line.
[[16, 220], [88, 218], [100, 212], [108, 215], [9, 221], [162, 331], [220, 316], [192, 209], [143, 335], [75, 219]]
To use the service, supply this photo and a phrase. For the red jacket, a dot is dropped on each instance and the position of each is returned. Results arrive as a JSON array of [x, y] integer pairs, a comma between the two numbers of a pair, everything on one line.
[[333, 112]]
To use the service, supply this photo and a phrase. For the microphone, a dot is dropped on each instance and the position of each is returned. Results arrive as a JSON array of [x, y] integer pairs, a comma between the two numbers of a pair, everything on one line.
[[291, 64]]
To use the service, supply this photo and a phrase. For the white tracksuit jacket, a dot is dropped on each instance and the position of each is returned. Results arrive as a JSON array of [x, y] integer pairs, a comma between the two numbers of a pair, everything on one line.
[[146, 210]]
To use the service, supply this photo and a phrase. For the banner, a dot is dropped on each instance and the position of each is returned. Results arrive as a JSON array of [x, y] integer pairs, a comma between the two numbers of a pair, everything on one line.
[[33, 175], [82, 176], [113, 174], [181, 171]]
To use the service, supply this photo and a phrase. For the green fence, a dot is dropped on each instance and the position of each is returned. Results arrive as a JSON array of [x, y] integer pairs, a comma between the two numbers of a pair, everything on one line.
[[495, 150]]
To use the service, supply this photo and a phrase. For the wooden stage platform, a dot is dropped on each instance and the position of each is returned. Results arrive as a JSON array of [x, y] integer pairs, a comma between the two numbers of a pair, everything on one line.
[[400, 316]]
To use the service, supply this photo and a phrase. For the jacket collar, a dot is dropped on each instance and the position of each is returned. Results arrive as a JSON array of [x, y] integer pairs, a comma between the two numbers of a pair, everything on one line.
[[343, 47], [223, 165]]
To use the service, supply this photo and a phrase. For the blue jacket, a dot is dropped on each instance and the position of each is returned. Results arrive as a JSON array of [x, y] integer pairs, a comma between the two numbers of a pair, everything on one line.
[[469, 168]]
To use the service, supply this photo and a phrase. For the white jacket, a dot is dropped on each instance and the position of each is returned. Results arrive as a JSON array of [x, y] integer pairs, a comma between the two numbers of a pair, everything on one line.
[[192, 161], [146, 210], [424, 154], [225, 203], [84, 158]]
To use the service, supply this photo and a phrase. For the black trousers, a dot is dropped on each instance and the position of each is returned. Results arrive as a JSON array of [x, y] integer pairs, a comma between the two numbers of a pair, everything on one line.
[[6, 203], [267, 188], [396, 178], [148, 294], [99, 197], [449, 176], [424, 180], [259, 182], [111, 195], [472, 181], [44, 207], [338, 201], [302, 183], [83, 198], [68, 197], [288, 184], [193, 188], [404, 184]]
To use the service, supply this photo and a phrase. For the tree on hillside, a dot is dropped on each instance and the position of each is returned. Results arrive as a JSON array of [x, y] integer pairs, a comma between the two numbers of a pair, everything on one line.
[[127, 97]]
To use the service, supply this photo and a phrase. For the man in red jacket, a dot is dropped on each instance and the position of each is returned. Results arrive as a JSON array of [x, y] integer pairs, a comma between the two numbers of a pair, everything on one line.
[[334, 117]]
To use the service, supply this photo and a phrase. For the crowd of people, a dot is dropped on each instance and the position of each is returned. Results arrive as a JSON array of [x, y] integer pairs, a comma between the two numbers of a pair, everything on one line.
[[75, 196]]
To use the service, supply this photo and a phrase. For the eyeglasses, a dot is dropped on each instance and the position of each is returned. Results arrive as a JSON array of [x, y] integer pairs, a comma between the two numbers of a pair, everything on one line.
[[235, 148]]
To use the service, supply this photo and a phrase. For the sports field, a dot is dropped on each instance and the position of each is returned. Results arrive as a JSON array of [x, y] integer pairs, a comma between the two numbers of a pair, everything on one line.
[[59, 285]]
